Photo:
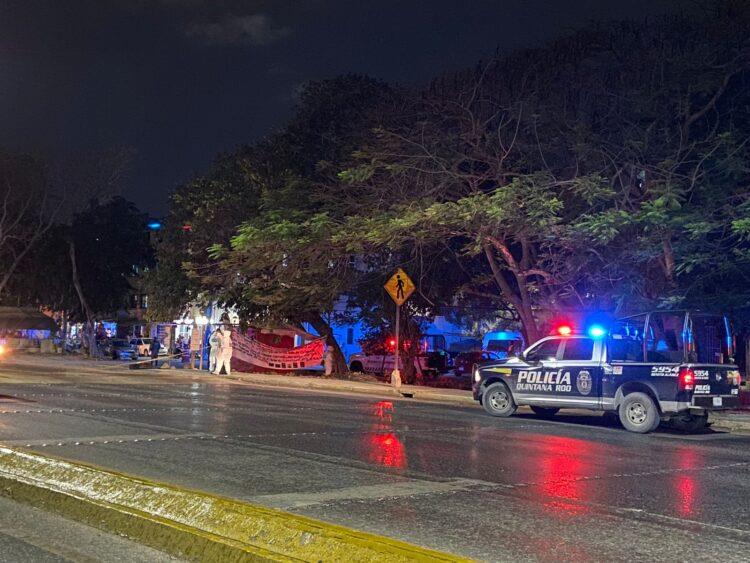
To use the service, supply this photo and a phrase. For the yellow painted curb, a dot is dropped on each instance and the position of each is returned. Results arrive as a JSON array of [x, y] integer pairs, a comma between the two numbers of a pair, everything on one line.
[[189, 523]]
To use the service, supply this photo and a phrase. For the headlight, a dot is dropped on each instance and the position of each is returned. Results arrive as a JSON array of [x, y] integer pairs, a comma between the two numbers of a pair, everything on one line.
[[2, 349], [477, 376]]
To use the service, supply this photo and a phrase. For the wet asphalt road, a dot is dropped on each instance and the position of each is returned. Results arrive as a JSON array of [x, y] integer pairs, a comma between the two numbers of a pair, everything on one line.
[[30, 534], [448, 478]]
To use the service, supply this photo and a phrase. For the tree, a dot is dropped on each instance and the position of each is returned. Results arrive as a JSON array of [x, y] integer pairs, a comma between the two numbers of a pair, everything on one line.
[[27, 211], [270, 256], [86, 269], [594, 172]]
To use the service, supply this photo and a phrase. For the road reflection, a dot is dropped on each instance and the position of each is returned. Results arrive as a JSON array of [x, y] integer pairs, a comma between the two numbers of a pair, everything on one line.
[[382, 444], [685, 484], [563, 464]]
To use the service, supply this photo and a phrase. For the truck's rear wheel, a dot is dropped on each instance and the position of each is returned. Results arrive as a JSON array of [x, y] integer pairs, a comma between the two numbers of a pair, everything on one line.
[[356, 367], [638, 413], [497, 400], [545, 412]]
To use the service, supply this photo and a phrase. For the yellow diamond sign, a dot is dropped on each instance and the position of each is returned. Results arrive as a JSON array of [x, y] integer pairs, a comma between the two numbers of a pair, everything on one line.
[[399, 287]]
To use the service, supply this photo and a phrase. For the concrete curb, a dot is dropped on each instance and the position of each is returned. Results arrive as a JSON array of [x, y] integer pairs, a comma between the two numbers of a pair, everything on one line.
[[725, 421], [186, 523]]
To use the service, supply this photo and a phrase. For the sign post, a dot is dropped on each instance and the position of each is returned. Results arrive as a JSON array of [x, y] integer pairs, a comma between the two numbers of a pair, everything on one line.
[[201, 321], [399, 287]]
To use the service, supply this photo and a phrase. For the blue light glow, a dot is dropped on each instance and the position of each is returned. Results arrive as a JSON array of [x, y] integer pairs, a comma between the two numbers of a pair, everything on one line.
[[596, 331], [154, 225]]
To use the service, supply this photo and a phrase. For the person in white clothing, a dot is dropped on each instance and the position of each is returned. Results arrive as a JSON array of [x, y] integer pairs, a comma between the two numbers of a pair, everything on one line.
[[214, 342], [225, 352]]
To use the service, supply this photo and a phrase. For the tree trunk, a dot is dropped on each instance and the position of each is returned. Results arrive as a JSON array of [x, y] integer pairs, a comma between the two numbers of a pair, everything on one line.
[[90, 330], [519, 302], [324, 330], [669, 259]]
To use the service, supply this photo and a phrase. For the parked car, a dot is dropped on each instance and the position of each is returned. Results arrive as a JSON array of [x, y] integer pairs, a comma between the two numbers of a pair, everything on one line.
[[119, 349], [142, 346], [382, 364], [463, 363]]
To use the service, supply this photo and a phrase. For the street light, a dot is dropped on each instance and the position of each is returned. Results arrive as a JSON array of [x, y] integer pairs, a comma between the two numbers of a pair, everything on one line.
[[201, 321]]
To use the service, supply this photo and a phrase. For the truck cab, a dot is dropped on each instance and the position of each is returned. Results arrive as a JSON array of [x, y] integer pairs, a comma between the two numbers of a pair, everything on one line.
[[675, 366]]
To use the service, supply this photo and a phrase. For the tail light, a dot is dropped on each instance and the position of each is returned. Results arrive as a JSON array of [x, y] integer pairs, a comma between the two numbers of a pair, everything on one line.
[[734, 377], [687, 379]]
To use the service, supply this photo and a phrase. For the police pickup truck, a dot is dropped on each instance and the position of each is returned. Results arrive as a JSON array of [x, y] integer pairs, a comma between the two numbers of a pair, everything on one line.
[[674, 366]]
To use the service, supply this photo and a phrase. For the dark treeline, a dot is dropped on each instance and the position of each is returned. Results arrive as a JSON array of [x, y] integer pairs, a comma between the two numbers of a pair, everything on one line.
[[68, 241]]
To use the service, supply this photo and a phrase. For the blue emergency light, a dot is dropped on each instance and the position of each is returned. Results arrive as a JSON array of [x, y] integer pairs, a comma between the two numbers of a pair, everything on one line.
[[597, 331]]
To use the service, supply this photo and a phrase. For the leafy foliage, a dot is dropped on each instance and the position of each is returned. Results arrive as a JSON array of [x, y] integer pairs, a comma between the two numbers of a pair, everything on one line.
[[606, 170]]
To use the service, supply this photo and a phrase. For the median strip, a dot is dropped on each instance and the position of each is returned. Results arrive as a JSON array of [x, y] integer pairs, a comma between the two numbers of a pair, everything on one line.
[[187, 523]]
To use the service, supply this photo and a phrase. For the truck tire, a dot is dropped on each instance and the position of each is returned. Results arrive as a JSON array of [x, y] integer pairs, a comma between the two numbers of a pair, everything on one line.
[[545, 412], [638, 413], [497, 400], [356, 367]]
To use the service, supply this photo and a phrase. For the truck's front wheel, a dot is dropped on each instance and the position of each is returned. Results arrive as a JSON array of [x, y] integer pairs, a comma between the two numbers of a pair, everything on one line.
[[498, 400], [638, 413]]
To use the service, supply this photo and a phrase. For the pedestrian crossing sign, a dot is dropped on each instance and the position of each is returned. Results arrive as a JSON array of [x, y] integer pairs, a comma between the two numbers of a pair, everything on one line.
[[400, 287]]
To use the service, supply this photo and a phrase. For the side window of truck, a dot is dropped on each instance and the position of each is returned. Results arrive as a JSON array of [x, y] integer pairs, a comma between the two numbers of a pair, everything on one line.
[[664, 339], [544, 351], [625, 343], [578, 350]]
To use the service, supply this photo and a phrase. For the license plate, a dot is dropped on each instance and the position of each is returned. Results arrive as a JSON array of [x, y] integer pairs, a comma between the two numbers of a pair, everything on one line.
[[717, 401]]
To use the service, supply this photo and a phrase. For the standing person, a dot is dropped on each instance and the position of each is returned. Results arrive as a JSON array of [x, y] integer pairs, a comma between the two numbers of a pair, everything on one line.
[[225, 352], [155, 347], [195, 347], [218, 336], [214, 343]]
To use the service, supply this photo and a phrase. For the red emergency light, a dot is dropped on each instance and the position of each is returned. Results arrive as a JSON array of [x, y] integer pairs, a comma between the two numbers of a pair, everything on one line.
[[564, 330]]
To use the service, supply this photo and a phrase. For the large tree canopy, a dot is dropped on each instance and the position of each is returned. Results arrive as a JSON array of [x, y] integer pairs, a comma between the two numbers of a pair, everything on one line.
[[607, 170]]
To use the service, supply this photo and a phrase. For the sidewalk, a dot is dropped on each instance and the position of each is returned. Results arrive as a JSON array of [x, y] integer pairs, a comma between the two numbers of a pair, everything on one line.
[[738, 420]]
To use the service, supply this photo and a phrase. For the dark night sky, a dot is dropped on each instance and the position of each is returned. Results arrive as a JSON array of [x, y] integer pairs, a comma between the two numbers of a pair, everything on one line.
[[181, 80]]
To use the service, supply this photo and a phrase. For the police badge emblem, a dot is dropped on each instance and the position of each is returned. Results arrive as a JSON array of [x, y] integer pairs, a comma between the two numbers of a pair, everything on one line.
[[583, 382]]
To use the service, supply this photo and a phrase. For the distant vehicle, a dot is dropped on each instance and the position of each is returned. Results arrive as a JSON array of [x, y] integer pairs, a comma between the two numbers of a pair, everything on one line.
[[119, 349], [143, 347], [382, 364], [506, 342], [664, 365], [464, 361]]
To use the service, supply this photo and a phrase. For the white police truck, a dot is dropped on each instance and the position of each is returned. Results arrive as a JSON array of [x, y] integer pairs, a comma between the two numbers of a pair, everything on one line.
[[675, 366]]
